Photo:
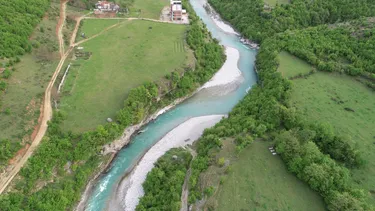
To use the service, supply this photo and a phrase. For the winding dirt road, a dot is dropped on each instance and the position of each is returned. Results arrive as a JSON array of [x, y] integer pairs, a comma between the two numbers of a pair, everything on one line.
[[46, 109]]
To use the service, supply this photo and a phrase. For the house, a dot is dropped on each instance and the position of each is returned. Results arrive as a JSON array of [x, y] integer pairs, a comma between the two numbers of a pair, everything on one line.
[[176, 10], [105, 6]]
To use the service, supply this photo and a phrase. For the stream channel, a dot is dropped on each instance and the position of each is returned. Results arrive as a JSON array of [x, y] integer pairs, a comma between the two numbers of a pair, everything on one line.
[[209, 101]]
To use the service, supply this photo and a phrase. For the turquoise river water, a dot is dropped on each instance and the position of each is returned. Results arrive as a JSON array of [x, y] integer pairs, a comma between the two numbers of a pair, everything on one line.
[[201, 104]]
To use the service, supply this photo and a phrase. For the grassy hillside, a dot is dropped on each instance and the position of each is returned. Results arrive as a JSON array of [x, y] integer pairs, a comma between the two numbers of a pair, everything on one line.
[[122, 58], [265, 183], [326, 98], [25, 85]]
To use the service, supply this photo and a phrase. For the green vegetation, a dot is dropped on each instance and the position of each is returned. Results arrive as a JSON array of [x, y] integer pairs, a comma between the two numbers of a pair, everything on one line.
[[17, 21], [323, 174], [265, 183], [256, 23], [345, 47], [303, 147], [291, 66], [274, 2], [56, 174], [163, 185], [148, 8], [91, 27], [22, 85], [348, 106], [99, 85]]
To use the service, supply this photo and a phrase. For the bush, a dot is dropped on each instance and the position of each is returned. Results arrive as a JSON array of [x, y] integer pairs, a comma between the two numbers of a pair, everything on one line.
[[221, 162]]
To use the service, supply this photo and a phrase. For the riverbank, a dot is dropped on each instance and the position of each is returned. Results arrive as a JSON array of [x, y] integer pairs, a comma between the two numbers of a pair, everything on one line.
[[184, 134], [229, 73], [113, 148], [224, 78], [226, 27]]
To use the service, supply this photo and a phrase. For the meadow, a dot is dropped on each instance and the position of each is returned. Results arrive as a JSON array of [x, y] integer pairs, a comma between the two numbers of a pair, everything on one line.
[[257, 180], [291, 66], [122, 58], [148, 8], [92, 27], [348, 106]]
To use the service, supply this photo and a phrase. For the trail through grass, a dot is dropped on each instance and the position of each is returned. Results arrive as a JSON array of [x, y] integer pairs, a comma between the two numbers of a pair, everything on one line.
[[92, 27]]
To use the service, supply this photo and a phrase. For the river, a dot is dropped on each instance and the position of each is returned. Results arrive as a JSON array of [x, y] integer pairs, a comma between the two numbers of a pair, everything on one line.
[[210, 101]]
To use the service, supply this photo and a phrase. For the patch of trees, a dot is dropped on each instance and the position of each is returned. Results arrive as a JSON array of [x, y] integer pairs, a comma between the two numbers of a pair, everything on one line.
[[324, 175], [257, 22], [163, 185], [73, 158], [17, 21], [339, 49]]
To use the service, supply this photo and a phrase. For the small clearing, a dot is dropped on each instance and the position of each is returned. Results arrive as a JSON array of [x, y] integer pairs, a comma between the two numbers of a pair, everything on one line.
[[291, 66]]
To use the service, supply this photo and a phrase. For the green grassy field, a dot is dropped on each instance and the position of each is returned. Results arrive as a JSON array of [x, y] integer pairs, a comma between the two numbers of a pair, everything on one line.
[[122, 58], [292, 66], [148, 8], [94, 26], [258, 181], [20, 103], [274, 2], [323, 97]]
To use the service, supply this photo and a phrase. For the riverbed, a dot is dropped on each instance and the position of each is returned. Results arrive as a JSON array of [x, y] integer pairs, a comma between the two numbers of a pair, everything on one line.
[[217, 98]]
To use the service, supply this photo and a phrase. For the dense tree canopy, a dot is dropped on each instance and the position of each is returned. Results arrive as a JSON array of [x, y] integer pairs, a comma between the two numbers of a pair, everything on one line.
[[258, 22], [163, 185], [17, 21]]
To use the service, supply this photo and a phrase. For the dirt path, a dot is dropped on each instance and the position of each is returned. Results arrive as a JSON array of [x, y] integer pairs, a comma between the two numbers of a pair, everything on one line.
[[85, 40], [46, 110], [185, 187]]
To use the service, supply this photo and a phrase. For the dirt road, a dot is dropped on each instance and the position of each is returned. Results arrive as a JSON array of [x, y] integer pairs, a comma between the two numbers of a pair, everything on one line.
[[46, 110]]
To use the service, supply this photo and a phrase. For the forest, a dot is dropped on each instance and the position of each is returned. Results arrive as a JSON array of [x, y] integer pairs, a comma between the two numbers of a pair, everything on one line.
[[163, 185], [82, 151], [258, 22], [18, 19]]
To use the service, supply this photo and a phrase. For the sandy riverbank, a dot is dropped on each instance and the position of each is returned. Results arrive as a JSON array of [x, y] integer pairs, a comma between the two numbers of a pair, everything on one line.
[[115, 146], [229, 72], [186, 133]]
